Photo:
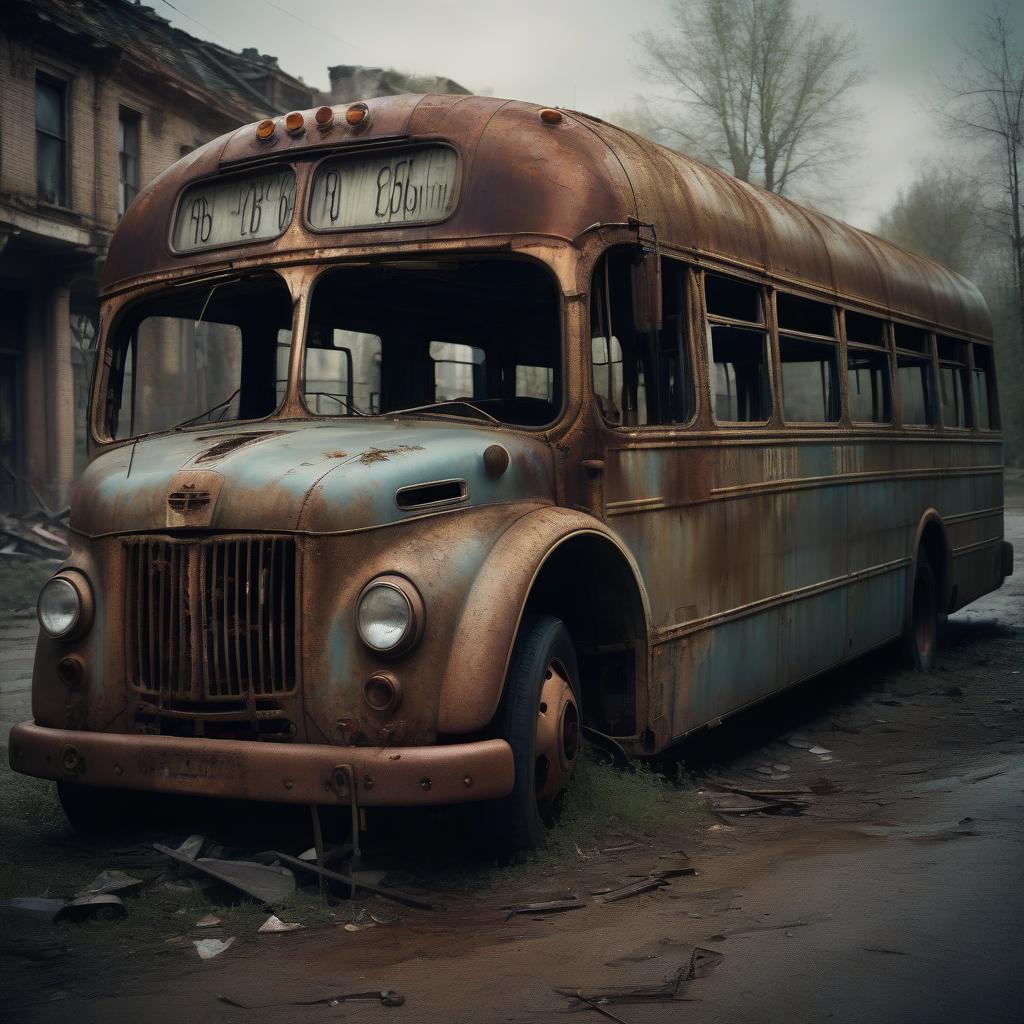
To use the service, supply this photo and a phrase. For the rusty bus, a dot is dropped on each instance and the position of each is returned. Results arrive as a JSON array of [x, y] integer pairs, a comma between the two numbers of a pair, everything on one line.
[[429, 431]]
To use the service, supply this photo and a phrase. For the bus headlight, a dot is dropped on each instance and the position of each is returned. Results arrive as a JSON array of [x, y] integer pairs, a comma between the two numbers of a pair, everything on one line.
[[389, 615], [64, 608]]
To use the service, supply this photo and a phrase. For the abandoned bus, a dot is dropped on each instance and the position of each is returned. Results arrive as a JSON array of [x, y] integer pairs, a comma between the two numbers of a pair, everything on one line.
[[430, 432]]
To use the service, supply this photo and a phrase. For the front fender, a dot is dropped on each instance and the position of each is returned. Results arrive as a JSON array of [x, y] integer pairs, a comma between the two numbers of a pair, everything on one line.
[[474, 676]]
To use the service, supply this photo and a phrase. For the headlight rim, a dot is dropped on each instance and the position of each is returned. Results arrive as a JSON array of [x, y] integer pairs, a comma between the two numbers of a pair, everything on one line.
[[79, 582], [411, 637]]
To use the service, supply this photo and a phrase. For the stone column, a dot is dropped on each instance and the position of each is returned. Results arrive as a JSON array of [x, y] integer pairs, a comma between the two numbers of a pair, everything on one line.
[[60, 393]]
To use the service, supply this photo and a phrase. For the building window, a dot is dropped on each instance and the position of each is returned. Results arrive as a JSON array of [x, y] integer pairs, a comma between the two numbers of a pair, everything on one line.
[[127, 159], [51, 141]]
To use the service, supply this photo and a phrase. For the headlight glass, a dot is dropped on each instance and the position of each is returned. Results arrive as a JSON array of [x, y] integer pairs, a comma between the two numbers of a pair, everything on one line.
[[385, 617], [60, 607]]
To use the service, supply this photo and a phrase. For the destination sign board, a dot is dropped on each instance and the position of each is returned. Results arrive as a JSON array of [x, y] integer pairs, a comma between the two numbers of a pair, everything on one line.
[[250, 208], [394, 189]]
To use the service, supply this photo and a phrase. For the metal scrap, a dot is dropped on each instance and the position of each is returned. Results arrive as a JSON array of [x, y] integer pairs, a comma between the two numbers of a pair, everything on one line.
[[633, 889], [275, 926], [209, 948], [264, 882], [386, 997], [543, 907], [105, 906], [111, 882]]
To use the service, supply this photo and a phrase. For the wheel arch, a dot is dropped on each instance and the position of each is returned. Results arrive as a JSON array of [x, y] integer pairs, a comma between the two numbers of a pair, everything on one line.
[[931, 538], [548, 561]]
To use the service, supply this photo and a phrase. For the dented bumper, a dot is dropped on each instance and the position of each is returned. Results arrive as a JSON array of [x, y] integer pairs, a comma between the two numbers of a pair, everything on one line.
[[301, 773]]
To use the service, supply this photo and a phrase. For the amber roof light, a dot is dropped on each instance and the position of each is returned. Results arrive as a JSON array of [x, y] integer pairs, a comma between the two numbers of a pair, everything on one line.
[[294, 123], [549, 116], [265, 129], [357, 114], [324, 118]]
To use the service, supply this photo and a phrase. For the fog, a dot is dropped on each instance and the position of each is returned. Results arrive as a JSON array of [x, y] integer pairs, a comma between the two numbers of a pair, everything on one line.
[[584, 54]]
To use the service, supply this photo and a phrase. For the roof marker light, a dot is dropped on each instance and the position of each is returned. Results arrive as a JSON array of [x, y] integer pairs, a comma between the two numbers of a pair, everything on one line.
[[549, 116], [324, 118], [265, 129], [357, 114], [294, 123]]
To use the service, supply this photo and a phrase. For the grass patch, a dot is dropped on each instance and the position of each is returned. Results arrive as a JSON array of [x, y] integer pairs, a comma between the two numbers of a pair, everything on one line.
[[20, 580]]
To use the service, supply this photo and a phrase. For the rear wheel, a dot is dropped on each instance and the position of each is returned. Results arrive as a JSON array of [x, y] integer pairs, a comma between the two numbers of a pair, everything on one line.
[[922, 635], [540, 718]]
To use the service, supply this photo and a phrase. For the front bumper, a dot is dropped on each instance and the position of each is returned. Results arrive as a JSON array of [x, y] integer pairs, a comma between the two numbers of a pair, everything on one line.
[[302, 773]]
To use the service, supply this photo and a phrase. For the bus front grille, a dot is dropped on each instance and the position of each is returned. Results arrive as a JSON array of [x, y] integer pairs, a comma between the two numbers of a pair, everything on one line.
[[213, 620]]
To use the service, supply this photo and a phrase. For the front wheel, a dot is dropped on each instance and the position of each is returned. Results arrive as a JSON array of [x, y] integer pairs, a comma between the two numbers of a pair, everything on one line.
[[540, 717], [922, 635]]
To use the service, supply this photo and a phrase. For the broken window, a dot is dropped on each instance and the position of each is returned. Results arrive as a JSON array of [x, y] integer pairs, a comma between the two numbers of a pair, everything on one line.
[[867, 369], [640, 378], [738, 350], [808, 360], [197, 355], [915, 376], [466, 337], [51, 140], [984, 389], [953, 389]]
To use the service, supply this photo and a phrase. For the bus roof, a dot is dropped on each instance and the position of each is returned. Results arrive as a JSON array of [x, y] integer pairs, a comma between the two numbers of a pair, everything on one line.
[[523, 176]]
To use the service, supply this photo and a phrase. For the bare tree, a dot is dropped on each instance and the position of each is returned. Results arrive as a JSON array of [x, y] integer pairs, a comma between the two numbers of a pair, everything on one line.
[[753, 86], [941, 216], [985, 104]]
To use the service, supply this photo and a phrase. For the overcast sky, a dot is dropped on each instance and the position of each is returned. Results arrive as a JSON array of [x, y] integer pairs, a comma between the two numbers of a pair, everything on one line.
[[583, 54]]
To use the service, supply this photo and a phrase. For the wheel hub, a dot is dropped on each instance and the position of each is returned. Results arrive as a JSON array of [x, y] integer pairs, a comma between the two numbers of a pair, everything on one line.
[[558, 735]]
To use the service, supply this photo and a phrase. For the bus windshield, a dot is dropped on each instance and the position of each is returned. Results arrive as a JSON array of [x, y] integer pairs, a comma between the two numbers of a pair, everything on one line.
[[470, 337]]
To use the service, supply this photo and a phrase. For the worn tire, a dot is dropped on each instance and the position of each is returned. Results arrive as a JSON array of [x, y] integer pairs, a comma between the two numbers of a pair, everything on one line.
[[922, 635], [96, 811], [520, 821]]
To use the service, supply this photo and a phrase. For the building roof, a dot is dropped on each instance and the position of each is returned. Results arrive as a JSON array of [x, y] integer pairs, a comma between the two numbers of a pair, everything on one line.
[[241, 86]]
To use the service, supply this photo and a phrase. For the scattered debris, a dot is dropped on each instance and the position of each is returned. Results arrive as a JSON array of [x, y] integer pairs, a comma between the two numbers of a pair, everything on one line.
[[386, 997], [36, 906], [672, 872], [104, 906], [275, 926], [818, 749], [308, 855], [758, 792], [381, 918], [353, 927], [543, 907], [39, 534], [622, 848], [799, 744], [210, 921], [111, 882], [264, 882], [353, 884], [633, 889], [192, 847], [600, 1009], [209, 948]]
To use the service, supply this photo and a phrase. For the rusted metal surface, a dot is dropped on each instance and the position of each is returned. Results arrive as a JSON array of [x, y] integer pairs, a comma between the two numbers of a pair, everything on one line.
[[697, 568], [279, 772]]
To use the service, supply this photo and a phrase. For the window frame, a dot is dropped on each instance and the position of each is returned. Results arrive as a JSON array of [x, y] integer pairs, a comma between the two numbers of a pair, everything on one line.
[[885, 347], [991, 386], [765, 327], [62, 84], [932, 409], [821, 339], [963, 366], [128, 116]]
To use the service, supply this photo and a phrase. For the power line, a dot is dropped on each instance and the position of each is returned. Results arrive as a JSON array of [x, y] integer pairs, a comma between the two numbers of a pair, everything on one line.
[[310, 24], [178, 10]]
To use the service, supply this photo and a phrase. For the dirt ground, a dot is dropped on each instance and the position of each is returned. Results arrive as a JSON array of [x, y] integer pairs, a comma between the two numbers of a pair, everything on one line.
[[882, 883]]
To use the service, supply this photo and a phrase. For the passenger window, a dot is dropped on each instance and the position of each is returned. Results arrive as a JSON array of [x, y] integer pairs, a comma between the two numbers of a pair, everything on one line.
[[342, 372], [810, 370], [915, 376], [984, 388], [868, 384], [640, 378], [738, 351], [953, 390], [458, 371]]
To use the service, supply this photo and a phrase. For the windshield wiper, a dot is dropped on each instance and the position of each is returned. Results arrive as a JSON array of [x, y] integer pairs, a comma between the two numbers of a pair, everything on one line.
[[212, 409], [342, 400], [442, 405]]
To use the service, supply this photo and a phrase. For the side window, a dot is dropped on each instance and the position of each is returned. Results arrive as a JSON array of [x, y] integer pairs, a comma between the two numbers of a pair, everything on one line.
[[983, 376], [342, 372], [535, 382], [953, 387], [916, 380], [737, 350], [867, 369], [809, 360], [640, 378], [458, 371]]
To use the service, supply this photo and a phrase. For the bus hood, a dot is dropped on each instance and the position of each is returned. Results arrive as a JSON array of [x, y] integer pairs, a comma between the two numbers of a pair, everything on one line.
[[310, 477]]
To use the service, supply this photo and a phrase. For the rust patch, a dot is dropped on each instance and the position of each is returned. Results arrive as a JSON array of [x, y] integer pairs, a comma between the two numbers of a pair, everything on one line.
[[372, 455], [332, 455], [231, 443]]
